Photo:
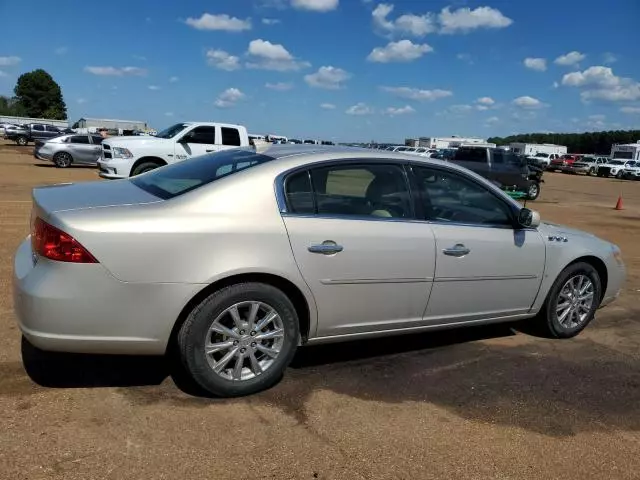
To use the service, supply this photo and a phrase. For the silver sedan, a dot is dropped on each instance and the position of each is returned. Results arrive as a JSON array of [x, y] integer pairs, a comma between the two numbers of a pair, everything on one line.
[[67, 150], [240, 257]]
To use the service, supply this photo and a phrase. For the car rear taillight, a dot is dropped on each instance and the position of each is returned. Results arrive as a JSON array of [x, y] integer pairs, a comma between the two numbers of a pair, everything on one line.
[[54, 244]]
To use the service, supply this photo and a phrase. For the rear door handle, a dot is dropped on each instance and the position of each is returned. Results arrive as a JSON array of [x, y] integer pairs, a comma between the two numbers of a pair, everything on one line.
[[327, 247], [458, 250]]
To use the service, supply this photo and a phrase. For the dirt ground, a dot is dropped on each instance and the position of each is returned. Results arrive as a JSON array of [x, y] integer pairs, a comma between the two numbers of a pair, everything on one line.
[[478, 403]]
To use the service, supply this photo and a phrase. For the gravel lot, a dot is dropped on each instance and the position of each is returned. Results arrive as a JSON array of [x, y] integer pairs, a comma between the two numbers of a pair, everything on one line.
[[478, 403]]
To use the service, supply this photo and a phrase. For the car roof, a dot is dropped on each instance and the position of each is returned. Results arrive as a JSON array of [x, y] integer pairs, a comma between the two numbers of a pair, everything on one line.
[[212, 124]]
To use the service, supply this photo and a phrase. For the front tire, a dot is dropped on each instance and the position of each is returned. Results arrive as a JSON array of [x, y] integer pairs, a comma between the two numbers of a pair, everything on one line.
[[62, 159], [144, 167], [22, 141], [592, 171], [619, 175], [534, 191], [240, 339], [572, 301]]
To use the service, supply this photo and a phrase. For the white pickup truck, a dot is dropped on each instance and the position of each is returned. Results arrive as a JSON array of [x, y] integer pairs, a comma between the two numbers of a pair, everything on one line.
[[124, 157]]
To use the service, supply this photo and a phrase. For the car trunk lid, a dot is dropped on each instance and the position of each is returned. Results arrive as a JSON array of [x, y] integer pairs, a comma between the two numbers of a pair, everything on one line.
[[79, 196]]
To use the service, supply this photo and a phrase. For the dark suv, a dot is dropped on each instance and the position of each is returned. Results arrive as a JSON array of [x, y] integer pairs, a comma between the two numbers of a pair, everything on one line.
[[507, 170], [31, 132]]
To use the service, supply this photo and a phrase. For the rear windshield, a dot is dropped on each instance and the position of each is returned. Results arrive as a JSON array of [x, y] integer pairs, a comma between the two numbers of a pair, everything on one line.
[[173, 180]]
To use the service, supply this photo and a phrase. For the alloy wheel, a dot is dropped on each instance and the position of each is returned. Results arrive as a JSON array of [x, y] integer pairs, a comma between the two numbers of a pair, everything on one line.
[[575, 301], [244, 341]]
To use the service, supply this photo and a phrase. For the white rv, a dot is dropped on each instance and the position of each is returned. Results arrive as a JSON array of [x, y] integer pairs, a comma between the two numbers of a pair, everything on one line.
[[530, 149], [626, 151]]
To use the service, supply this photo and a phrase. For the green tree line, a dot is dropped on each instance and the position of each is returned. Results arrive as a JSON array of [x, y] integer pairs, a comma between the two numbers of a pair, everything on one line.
[[36, 95], [588, 142]]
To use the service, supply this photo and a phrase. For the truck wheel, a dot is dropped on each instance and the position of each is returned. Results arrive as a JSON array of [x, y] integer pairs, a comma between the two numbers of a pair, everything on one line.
[[592, 171], [22, 141], [144, 167], [620, 174], [534, 191]]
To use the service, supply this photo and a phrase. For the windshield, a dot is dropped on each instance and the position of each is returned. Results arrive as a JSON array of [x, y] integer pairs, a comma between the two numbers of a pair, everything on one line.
[[543, 155], [172, 131], [616, 162], [178, 178]]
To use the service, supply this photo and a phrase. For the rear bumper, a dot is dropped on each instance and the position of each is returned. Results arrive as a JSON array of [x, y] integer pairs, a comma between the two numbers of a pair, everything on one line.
[[82, 308]]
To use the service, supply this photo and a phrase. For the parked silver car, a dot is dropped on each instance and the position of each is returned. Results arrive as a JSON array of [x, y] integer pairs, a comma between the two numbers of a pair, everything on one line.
[[66, 150], [238, 258]]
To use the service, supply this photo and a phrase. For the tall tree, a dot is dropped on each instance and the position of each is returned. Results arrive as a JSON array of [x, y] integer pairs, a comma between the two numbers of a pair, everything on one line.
[[9, 106], [40, 96]]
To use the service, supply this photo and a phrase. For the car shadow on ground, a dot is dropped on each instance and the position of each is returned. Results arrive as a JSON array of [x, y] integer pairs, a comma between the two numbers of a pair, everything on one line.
[[51, 165], [66, 370]]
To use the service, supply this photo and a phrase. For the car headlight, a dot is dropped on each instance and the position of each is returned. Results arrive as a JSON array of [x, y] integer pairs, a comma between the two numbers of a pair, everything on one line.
[[119, 152], [617, 254]]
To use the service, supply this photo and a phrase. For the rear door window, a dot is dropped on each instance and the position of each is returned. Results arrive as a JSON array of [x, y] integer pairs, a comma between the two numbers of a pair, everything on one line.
[[230, 136], [38, 128], [84, 139]]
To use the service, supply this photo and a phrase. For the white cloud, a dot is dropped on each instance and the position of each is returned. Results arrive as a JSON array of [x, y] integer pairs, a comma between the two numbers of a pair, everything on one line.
[[328, 106], [115, 71], [154, 87], [2, 74], [272, 56], [417, 94], [270, 21], [538, 64], [464, 20], [555, 85], [601, 83], [61, 50], [173, 79], [168, 114], [81, 101], [492, 120], [279, 86], [465, 57], [570, 59], [393, 111], [222, 60], [330, 78], [360, 108], [598, 116], [528, 102], [229, 98], [402, 51], [631, 110], [488, 101], [609, 58], [459, 109], [315, 5], [9, 61], [219, 22], [416, 25]]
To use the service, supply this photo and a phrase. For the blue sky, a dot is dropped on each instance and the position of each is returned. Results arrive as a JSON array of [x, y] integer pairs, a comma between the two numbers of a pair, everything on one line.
[[346, 70]]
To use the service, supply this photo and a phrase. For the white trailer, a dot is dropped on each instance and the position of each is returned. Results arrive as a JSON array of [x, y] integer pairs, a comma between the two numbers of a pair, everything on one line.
[[626, 151], [450, 142], [530, 149]]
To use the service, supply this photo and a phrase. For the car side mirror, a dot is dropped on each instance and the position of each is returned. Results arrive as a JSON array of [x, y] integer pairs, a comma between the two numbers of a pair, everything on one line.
[[528, 218]]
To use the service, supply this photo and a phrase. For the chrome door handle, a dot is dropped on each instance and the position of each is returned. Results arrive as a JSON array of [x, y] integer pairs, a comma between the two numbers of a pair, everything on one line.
[[458, 250], [326, 248]]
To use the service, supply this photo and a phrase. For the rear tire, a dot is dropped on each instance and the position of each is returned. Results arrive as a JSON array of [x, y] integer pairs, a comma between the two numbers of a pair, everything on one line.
[[534, 191], [567, 310], [144, 167], [619, 175], [243, 358]]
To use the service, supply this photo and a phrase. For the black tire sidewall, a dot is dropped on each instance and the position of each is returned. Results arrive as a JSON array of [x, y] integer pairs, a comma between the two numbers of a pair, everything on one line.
[[553, 325], [144, 167], [537, 194], [193, 333], [57, 162]]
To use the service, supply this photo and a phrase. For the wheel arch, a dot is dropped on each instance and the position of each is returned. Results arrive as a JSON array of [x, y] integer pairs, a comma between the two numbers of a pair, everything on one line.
[[600, 267], [292, 291], [148, 159]]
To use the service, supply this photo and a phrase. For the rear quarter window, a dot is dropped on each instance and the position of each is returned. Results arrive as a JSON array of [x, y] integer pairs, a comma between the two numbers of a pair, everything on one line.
[[230, 136]]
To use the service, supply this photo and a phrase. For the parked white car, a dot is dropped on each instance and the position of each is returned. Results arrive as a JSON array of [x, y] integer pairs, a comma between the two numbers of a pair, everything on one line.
[[124, 157], [632, 171], [614, 168]]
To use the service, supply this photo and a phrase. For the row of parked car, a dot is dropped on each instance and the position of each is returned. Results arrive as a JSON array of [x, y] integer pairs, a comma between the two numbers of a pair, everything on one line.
[[600, 166], [31, 132]]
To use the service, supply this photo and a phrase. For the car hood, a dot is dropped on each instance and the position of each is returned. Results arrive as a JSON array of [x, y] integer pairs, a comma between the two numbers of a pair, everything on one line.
[[137, 142]]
